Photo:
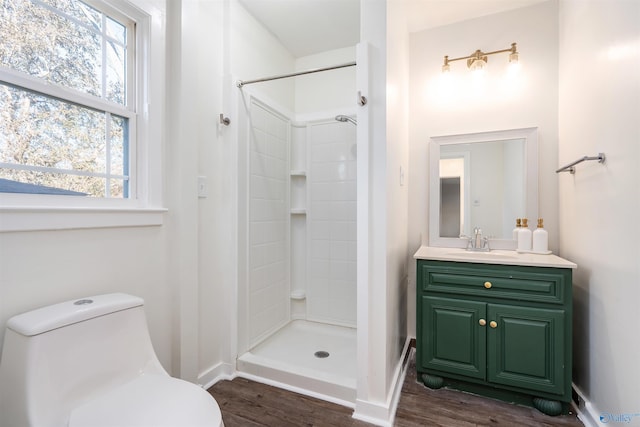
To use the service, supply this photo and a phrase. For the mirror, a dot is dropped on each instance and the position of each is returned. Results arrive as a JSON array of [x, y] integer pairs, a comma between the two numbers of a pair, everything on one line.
[[483, 180]]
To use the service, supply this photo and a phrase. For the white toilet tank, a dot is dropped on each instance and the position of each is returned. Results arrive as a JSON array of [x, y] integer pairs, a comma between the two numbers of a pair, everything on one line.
[[60, 357]]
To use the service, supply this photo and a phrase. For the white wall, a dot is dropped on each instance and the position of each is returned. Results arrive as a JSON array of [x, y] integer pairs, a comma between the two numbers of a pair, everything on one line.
[[182, 269], [268, 216], [217, 213], [331, 222], [202, 239], [329, 159], [458, 102], [186, 269], [372, 322], [397, 165], [255, 53], [331, 92], [599, 205], [382, 268], [46, 267]]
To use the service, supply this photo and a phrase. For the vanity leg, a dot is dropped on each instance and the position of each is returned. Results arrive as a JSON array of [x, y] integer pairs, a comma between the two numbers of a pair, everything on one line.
[[548, 407], [432, 381]]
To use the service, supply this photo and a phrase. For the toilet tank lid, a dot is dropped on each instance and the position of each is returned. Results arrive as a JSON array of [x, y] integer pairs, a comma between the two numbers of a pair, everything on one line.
[[66, 313]]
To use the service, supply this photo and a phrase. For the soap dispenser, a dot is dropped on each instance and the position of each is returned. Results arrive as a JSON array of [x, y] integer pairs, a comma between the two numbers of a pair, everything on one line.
[[524, 237], [540, 239], [515, 230]]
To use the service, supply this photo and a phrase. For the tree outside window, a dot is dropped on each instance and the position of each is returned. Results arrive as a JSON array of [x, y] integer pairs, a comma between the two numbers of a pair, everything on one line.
[[66, 104]]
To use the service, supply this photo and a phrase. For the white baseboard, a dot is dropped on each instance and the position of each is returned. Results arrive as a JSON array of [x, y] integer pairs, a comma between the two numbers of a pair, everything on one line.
[[297, 378], [399, 378], [585, 410], [378, 413], [383, 413], [294, 389], [372, 413], [219, 372]]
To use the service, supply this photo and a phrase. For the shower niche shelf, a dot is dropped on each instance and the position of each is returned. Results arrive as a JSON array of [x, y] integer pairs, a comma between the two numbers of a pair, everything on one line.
[[298, 294], [298, 192]]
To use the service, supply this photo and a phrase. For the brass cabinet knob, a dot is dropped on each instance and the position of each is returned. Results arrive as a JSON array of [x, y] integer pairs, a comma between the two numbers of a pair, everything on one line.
[[493, 324], [487, 285], [482, 322]]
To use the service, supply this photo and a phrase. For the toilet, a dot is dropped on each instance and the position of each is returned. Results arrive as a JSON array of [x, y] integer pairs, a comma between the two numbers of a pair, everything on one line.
[[90, 362]]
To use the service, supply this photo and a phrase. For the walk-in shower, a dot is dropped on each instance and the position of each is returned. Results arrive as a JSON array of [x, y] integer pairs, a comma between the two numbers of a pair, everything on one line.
[[297, 286], [343, 118]]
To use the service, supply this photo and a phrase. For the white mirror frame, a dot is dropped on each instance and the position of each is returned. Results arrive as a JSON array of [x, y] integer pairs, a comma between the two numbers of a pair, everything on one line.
[[530, 136]]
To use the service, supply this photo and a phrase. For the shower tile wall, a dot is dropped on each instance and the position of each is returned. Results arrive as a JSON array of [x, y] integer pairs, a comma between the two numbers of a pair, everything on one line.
[[268, 223], [331, 276]]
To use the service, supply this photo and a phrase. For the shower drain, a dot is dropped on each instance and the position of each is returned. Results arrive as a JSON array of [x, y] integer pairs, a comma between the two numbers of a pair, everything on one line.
[[321, 354]]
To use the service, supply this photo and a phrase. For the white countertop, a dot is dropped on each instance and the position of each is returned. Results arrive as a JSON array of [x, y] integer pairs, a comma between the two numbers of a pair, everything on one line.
[[493, 257]]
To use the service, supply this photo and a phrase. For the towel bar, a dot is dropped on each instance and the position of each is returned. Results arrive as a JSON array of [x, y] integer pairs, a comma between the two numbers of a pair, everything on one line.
[[570, 167]]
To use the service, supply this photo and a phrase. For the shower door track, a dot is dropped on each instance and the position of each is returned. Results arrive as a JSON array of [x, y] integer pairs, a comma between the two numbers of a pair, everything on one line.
[[241, 83]]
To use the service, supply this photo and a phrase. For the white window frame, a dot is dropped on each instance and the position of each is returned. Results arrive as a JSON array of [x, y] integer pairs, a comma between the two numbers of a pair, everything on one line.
[[27, 212]]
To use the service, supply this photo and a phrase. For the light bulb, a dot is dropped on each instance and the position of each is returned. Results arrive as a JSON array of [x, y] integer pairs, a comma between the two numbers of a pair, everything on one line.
[[478, 65]]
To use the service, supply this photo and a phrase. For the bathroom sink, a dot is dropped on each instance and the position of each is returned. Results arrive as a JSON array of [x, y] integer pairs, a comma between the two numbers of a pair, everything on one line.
[[492, 255], [495, 256]]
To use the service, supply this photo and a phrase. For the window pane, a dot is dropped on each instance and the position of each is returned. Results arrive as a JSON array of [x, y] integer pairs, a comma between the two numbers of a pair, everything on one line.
[[116, 30], [40, 132], [119, 158], [53, 145], [115, 73], [38, 182], [117, 188], [64, 46], [117, 145], [53, 48], [75, 9]]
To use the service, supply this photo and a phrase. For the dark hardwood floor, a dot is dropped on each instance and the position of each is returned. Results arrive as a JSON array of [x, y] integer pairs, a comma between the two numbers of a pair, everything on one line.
[[249, 404]]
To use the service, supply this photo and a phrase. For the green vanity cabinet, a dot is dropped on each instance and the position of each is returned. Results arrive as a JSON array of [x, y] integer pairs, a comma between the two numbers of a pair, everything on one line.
[[450, 339], [499, 330]]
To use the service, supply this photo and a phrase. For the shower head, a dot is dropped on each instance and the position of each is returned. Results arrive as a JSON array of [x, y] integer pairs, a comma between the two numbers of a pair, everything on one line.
[[342, 118]]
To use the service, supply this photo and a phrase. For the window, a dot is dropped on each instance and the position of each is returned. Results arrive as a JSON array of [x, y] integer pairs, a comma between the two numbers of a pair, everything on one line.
[[73, 85], [65, 99]]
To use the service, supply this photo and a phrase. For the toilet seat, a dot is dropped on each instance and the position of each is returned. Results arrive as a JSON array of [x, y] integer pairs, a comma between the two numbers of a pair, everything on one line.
[[150, 400]]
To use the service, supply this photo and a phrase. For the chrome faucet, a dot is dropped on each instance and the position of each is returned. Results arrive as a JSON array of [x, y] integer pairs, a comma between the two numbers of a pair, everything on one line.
[[478, 243]]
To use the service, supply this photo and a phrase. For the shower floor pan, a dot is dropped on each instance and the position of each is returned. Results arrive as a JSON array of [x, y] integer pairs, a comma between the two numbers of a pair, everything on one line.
[[307, 357]]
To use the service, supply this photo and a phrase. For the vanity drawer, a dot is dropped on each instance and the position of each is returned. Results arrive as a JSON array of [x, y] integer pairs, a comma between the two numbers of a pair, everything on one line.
[[536, 284]]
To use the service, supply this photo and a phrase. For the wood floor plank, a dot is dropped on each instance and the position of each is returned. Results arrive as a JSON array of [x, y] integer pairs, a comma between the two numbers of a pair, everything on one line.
[[246, 403]]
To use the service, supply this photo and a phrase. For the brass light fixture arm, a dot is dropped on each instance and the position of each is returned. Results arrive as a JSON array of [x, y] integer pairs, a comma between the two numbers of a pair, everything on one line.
[[478, 54]]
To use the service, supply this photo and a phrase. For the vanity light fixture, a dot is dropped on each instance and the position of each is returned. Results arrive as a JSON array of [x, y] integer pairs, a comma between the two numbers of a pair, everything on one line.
[[478, 59]]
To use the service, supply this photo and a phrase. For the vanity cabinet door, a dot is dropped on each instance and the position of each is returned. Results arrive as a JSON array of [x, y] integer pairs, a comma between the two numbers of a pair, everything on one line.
[[451, 336], [526, 347]]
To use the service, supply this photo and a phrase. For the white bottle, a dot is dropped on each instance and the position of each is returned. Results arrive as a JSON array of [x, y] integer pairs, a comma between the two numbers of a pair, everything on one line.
[[540, 239], [515, 230], [524, 237]]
